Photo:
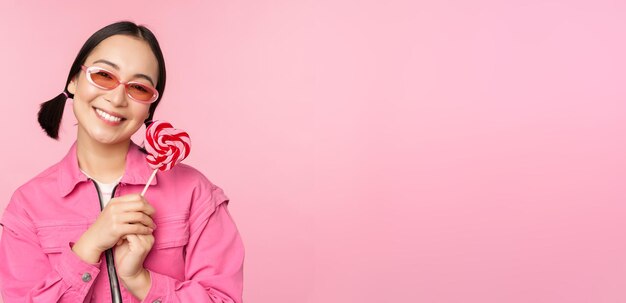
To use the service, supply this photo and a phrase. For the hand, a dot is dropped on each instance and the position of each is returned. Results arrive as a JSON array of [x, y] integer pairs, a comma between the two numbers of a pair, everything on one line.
[[125, 215], [129, 255]]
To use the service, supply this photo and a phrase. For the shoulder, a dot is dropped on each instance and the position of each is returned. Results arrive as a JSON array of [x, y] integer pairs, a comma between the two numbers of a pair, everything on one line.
[[186, 170], [25, 198], [189, 175], [204, 191], [45, 177], [45, 181]]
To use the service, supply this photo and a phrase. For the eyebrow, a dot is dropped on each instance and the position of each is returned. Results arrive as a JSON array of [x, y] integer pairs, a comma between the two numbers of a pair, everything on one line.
[[115, 66]]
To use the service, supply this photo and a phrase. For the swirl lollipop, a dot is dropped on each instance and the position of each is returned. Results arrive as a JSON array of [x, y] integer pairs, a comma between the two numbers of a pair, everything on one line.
[[166, 147]]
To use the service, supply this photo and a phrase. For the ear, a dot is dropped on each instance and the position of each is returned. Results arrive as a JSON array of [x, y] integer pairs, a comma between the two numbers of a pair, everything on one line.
[[71, 87]]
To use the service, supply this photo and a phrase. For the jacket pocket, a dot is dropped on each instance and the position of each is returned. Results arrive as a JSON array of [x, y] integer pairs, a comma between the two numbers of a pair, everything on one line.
[[171, 232], [54, 239]]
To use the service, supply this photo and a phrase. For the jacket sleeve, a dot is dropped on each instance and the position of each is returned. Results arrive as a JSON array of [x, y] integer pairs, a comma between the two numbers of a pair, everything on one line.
[[26, 274], [214, 257]]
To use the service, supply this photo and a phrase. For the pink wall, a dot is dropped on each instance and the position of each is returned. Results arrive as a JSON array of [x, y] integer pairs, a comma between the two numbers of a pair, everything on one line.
[[377, 151]]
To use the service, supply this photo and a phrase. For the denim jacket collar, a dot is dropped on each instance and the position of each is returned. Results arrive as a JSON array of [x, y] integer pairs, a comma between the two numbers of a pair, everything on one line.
[[137, 170]]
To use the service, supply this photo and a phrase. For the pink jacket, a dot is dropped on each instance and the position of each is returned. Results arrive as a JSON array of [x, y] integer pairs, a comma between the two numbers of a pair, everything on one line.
[[197, 255]]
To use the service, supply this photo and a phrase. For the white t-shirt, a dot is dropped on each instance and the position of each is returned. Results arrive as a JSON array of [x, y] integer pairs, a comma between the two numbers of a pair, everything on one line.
[[106, 189]]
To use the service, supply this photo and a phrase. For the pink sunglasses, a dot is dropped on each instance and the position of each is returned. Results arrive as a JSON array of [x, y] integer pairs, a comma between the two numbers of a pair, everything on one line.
[[104, 79]]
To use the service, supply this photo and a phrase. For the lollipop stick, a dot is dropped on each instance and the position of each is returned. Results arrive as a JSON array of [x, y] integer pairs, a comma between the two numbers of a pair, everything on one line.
[[143, 192]]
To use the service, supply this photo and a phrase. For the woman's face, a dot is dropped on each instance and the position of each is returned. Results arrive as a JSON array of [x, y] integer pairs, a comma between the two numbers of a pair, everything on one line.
[[110, 116]]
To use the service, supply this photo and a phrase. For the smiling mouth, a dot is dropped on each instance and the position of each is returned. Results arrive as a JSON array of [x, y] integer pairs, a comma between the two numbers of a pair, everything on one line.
[[107, 117]]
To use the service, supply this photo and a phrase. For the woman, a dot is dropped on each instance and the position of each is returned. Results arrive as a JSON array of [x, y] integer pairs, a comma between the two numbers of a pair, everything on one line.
[[176, 244]]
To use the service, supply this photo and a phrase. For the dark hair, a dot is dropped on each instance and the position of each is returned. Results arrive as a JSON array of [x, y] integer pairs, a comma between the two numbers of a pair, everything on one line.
[[51, 111]]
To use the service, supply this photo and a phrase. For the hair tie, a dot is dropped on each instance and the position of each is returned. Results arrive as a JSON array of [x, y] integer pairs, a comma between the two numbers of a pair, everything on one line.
[[66, 96]]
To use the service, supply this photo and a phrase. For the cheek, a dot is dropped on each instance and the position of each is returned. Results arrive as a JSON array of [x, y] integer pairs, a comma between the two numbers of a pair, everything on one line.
[[140, 111], [85, 91], [81, 101]]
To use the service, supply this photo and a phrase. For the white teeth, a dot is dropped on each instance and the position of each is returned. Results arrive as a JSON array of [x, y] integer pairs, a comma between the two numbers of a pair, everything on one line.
[[107, 116]]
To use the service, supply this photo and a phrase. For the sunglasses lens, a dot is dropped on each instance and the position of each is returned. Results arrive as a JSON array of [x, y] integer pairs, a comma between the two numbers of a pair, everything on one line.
[[141, 92], [103, 79]]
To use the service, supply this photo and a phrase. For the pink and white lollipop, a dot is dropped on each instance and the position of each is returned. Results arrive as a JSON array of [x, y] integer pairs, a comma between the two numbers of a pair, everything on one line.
[[166, 147]]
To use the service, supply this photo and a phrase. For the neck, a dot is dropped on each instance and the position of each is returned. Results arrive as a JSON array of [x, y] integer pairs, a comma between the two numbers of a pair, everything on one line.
[[103, 162]]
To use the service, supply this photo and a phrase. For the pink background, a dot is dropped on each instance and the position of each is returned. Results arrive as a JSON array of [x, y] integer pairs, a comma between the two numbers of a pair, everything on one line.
[[377, 151]]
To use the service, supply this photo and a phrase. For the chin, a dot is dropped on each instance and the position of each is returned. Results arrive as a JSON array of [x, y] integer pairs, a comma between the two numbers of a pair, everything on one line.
[[107, 141], [108, 138]]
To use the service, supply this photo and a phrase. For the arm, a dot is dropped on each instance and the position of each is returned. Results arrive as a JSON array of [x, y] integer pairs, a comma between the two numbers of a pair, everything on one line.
[[213, 262], [26, 274]]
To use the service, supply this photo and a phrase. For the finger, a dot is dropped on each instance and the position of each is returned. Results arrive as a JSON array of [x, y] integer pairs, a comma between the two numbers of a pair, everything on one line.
[[124, 206], [136, 217], [147, 238], [128, 198], [134, 242], [137, 228], [148, 209], [150, 239], [146, 241], [131, 206], [134, 239], [131, 198]]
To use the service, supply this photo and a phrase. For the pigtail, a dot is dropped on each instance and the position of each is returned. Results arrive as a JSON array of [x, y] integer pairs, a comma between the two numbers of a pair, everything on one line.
[[50, 115]]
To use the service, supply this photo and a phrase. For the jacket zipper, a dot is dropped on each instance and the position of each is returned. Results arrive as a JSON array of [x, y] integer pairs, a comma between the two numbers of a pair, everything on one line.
[[116, 295]]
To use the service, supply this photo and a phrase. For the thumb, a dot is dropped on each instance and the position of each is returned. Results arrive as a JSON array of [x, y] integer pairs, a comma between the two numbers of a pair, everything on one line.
[[121, 240]]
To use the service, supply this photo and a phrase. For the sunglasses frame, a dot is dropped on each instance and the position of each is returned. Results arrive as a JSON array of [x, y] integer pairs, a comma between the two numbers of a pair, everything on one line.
[[94, 69]]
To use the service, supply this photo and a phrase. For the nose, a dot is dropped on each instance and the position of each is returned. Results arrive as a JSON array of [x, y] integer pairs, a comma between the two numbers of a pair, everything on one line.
[[117, 96]]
